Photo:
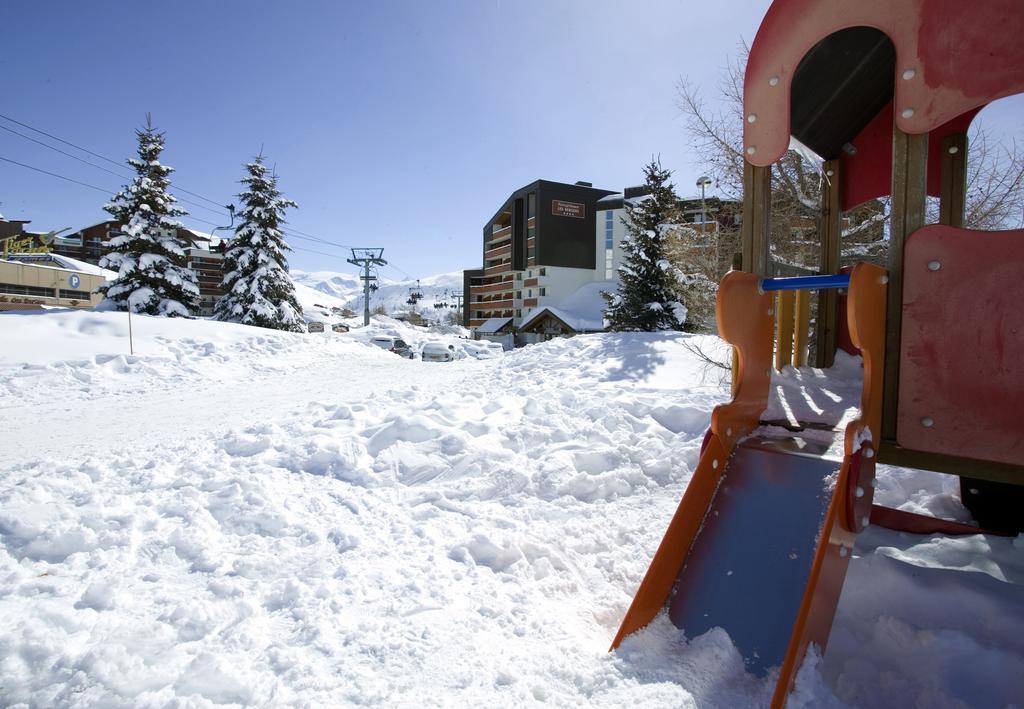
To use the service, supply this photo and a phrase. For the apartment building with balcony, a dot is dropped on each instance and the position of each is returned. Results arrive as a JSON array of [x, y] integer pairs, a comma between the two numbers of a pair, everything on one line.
[[539, 247], [552, 248], [204, 254]]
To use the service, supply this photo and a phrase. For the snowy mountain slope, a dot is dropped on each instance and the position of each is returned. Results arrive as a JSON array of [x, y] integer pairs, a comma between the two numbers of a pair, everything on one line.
[[318, 306], [343, 286], [391, 294], [349, 527]]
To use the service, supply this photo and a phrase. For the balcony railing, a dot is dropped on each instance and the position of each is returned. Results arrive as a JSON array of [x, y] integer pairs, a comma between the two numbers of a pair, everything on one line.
[[492, 288], [498, 251], [500, 268], [498, 237]]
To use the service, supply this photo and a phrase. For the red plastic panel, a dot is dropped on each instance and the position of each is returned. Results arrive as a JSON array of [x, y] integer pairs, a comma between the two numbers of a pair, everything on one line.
[[956, 55], [961, 389], [868, 173]]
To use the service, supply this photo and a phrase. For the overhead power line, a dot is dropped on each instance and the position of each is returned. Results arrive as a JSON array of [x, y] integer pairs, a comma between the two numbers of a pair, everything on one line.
[[54, 174], [60, 140], [95, 155], [63, 152], [108, 191], [291, 231]]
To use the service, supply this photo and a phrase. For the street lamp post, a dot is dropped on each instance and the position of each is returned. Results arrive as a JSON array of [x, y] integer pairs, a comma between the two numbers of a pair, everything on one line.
[[702, 182]]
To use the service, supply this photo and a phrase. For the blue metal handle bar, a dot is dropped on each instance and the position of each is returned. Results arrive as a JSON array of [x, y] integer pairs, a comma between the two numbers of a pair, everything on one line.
[[838, 280]]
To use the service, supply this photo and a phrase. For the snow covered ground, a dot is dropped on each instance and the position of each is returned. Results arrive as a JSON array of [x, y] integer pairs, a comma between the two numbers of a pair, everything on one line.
[[238, 516]]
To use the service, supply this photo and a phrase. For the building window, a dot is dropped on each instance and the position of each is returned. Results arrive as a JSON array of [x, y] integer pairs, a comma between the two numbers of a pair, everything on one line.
[[609, 228], [13, 289], [531, 205], [529, 293], [609, 264], [519, 313], [542, 291], [543, 272], [529, 274], [519, 295], [75, 294]]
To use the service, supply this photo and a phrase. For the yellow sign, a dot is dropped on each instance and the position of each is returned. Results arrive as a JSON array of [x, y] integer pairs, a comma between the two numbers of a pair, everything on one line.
[[23, 246]]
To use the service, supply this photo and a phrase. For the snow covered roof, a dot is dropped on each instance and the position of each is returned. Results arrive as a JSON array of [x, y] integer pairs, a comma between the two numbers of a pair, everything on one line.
[[494, 325], [105, 221], [610, 198], [51, 260], [583, 311]]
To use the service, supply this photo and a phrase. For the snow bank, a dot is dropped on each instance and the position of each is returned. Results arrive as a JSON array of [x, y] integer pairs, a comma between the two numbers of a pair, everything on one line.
[[362, 529]]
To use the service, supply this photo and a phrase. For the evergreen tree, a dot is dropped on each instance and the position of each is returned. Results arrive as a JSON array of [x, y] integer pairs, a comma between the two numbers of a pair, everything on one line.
[[647, 297], [147, 254], [257, 288]]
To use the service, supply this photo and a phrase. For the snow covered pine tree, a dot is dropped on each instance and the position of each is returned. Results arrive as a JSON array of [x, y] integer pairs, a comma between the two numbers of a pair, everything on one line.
[[647, 298], [257, 288], [147, 254]]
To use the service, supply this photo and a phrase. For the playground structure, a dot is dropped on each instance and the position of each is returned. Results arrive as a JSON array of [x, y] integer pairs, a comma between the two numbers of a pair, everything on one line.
[[884, 91]]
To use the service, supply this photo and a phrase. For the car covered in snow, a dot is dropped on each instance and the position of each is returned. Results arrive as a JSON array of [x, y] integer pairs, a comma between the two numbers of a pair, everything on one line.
[[482, 349], [315, 327], [438, 352], [393, 344]]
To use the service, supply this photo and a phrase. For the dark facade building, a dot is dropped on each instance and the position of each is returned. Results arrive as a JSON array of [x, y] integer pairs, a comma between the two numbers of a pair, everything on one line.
[[544, 225]]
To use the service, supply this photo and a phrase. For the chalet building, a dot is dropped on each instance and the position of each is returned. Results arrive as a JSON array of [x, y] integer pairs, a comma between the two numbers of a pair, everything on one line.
[[12, 228], [86, 244]]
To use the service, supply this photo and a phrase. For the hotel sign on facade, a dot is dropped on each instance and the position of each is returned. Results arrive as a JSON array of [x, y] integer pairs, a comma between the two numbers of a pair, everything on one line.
[[568, 209]]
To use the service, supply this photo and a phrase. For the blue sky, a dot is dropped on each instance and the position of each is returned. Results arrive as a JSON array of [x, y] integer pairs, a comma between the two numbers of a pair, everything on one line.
[[394, 124]]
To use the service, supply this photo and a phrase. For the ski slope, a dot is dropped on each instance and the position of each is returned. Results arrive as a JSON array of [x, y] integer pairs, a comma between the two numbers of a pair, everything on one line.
[[346, 290], [243, 517]]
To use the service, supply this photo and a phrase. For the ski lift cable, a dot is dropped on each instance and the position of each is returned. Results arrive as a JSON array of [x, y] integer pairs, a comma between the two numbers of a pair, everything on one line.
[[221, 209]]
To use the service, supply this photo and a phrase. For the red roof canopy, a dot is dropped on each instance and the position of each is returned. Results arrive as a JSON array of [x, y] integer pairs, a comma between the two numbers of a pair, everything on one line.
[[952, 57]]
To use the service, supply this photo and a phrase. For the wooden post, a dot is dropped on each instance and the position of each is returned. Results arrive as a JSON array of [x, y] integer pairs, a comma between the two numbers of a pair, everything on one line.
[[754, 231], [953, 188], [909, 193], [802, 327], [784, 319], [757, 203], [830, 233]]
